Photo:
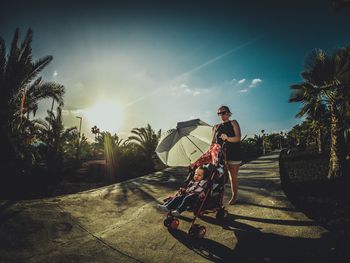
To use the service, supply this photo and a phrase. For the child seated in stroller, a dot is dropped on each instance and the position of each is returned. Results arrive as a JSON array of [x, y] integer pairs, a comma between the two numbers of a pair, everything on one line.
[[204, 192], [189, 196]]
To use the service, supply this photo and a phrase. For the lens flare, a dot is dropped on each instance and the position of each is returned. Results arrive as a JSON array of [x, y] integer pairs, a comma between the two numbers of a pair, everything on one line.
[[111, 162]]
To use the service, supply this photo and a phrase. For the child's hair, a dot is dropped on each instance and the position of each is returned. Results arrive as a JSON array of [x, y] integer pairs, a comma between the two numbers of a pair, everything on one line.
[[205, 171]]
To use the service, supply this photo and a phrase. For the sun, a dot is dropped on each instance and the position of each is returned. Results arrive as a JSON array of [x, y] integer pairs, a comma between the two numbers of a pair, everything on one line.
[[106, 115]]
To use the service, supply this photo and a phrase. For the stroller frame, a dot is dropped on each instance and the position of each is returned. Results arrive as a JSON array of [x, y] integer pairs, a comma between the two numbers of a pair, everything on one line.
[[196, 230]]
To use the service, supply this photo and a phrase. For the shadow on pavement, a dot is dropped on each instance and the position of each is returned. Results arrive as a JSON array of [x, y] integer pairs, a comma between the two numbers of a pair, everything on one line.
[[243, 202], [250, 244], [208, 249]]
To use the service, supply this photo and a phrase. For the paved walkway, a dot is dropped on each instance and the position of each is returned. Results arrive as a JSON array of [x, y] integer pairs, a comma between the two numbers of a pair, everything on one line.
[[120, 223]]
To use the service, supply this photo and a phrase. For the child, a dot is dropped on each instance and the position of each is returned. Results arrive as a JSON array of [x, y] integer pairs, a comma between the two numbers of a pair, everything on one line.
[[193, 193]]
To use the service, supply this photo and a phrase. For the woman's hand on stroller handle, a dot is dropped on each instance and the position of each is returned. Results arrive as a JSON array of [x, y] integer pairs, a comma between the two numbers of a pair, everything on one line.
[[224, 137], [182, 190]]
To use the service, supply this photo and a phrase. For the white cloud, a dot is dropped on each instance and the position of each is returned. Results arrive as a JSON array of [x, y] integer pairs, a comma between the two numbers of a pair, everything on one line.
[[185, 89], [241, 81], [193, 92], [243, 90], [244, 84], [255, 83]]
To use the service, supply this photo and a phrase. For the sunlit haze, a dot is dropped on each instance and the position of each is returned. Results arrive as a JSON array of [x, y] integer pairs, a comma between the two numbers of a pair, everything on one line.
[[107, 115]]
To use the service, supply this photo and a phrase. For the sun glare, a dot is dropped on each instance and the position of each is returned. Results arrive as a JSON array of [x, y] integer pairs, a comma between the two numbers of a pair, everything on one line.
[[106, 115]]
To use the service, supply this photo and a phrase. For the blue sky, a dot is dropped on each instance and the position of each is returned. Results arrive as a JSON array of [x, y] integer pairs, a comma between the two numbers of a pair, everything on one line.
[[128, 64]]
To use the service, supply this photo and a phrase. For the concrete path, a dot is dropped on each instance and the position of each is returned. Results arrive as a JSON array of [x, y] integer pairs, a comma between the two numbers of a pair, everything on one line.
[[120, 223]]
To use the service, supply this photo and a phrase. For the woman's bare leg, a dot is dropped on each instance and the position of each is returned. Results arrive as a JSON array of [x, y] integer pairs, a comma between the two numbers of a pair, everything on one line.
[[233, 171]]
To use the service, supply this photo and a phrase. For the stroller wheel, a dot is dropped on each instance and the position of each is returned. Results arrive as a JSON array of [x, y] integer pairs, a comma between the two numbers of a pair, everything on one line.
[[193, 231], [201, 231], [167, 221], [224, 214], [174, 223], [221, 215], [197, 231]]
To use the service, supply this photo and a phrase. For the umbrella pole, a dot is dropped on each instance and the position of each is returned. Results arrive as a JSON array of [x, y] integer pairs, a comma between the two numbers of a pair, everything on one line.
[[194, 144]]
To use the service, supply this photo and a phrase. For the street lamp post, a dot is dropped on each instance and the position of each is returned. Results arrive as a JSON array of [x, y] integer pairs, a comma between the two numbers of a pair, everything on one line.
[[263, 141], [281, 137], [79, 125]]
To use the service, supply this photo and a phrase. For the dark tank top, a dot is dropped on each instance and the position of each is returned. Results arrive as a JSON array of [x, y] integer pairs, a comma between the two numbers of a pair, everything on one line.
[[233, 149]]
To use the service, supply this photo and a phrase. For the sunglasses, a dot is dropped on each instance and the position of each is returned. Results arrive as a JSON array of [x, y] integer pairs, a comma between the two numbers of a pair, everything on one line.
[[222, 112]]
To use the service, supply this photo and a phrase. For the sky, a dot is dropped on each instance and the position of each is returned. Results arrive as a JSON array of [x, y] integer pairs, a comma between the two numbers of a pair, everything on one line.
[[127, 64]]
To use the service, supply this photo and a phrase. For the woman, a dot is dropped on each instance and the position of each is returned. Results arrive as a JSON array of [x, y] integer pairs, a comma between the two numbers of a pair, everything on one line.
[[228, 135]]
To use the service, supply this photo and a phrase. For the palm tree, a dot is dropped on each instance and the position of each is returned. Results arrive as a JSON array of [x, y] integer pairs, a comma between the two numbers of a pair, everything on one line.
[[37, 91], [145, 138], [273, 141], [77, 148], [115, 141], [327, 79], [295, 136], [95, 130], [20, 92], [52, 132], [71, 146], [313, 107], [111, 146]]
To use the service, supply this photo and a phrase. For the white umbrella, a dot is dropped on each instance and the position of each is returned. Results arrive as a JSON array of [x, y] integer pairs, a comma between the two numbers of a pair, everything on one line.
[[185, 144]]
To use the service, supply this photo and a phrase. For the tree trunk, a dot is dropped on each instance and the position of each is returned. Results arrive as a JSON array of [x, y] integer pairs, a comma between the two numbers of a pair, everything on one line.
[[347, 136], [336, 155], [320, 141], [263, 147]]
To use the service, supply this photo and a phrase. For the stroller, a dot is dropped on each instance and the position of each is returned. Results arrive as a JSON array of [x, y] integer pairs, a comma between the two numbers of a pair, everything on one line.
[[214, 159]]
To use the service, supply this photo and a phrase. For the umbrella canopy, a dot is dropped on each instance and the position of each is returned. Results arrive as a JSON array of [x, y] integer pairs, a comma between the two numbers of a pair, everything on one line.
[[185, 144]]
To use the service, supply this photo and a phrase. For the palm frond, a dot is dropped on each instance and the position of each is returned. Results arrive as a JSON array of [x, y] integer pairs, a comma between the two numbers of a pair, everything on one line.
[[13, 50], [135, 138], [36, 68], [25, 55], [47, 90]]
